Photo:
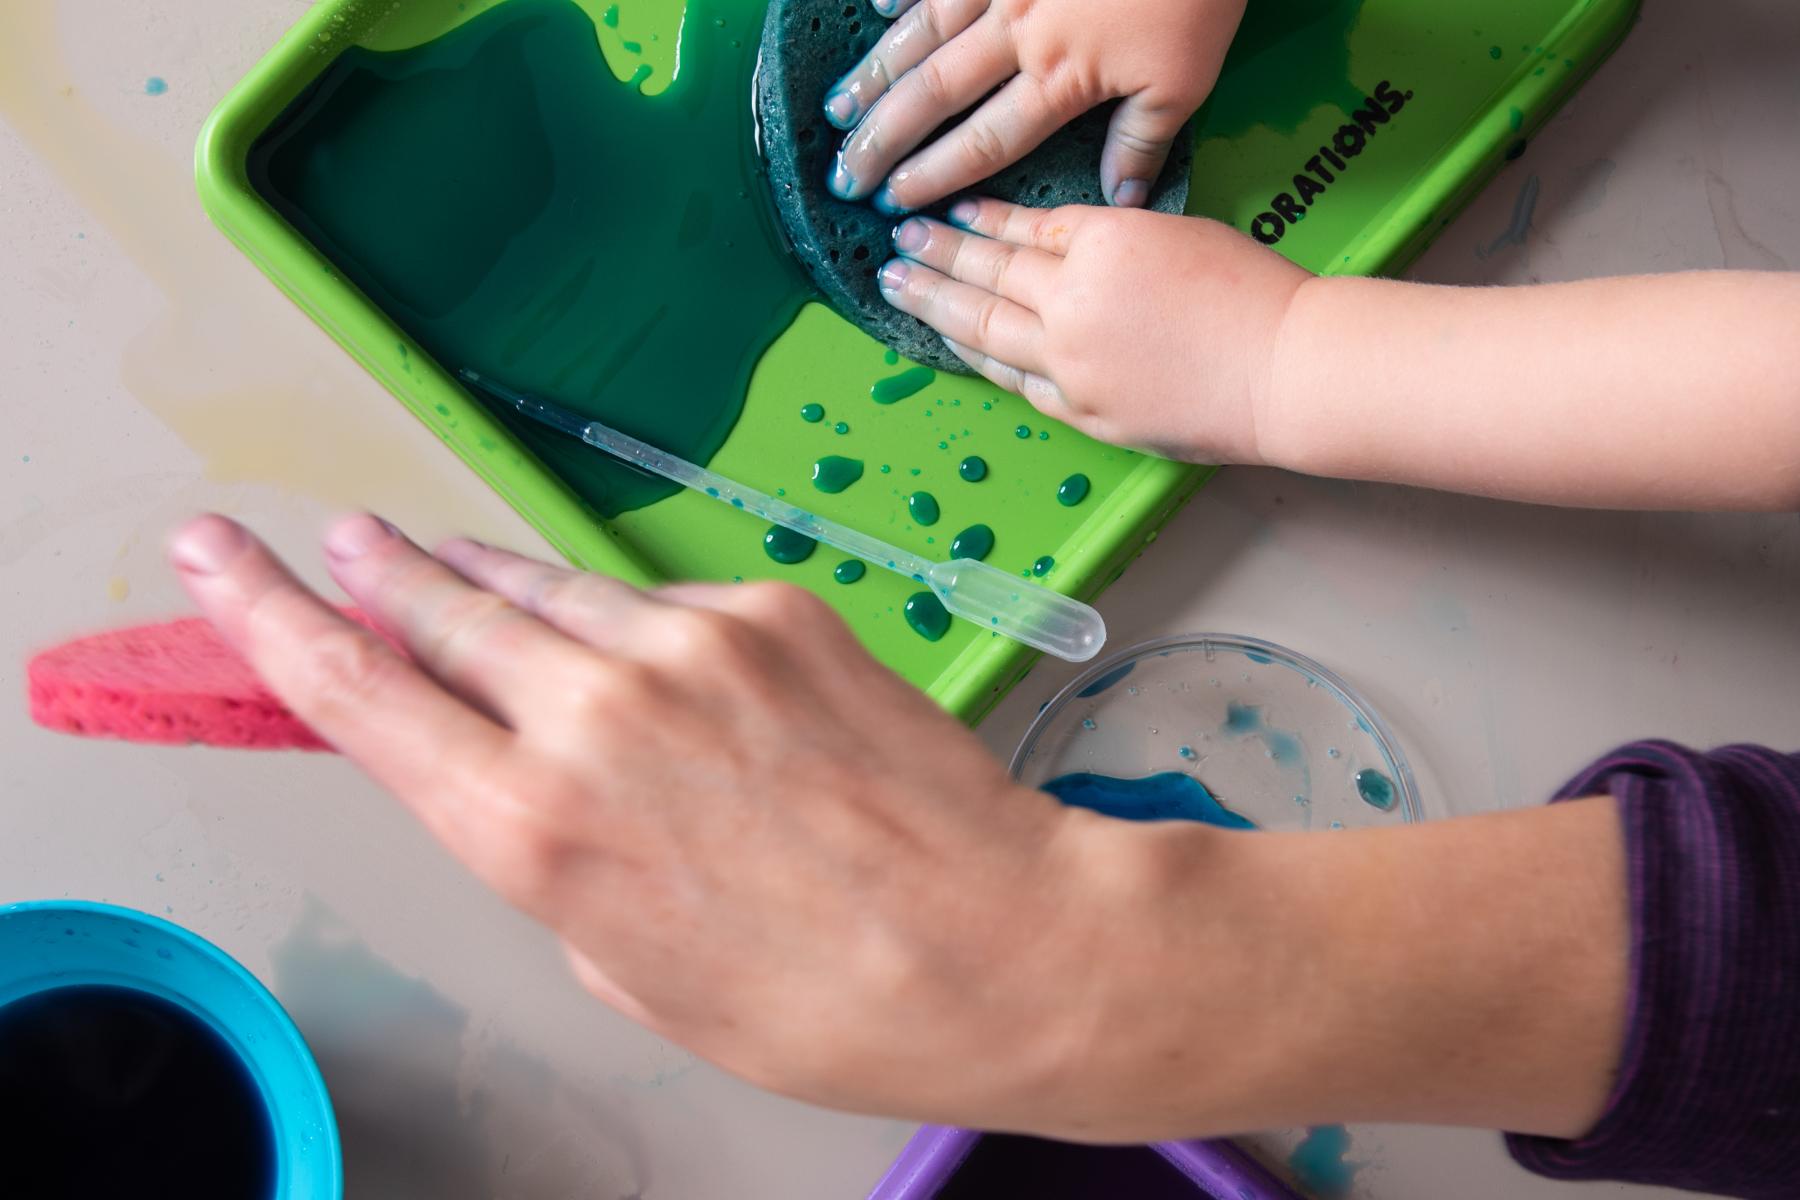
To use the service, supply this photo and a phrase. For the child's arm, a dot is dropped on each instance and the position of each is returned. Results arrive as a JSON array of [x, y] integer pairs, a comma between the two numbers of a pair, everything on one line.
[[1187, 338], [1673, 391]]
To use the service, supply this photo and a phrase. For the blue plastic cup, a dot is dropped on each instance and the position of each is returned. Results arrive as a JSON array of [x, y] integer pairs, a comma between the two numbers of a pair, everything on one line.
[[47, 944]]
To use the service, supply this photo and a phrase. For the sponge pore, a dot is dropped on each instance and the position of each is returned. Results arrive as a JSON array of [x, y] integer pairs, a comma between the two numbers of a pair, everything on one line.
[[807, 45]]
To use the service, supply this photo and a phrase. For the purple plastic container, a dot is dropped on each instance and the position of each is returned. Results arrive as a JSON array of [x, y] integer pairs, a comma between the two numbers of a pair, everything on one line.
[[941, 1163]]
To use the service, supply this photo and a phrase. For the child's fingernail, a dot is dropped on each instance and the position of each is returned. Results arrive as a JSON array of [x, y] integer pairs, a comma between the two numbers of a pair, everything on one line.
[[840, 109], [206, 545], [892, 277], [885, 201], [884, 7], [355, 536], [912, 236], [1131, 193], [841, 183], [963, 213]]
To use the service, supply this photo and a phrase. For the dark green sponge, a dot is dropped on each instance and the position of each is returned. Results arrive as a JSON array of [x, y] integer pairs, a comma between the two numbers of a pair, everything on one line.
[[807, 45]]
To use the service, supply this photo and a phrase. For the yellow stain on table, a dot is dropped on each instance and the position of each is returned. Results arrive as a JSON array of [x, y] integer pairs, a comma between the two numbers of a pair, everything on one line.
[[227, 365]]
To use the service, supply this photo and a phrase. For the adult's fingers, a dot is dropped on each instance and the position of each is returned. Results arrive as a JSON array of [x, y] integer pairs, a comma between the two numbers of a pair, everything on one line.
[[595, 609], [420, 742], [923, 29], [1012, 123], [974, 317], [1018, 273], [1047, 229], [1042, 392], [920, 101], [477, 642], [1138, 141]]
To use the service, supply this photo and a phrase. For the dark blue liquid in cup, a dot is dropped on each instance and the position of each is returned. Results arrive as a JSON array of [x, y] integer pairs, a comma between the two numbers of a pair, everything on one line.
[[114, 1092]]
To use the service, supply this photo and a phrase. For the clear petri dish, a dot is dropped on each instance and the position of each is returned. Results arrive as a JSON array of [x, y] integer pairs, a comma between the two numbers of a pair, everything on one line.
[[1270, 735]]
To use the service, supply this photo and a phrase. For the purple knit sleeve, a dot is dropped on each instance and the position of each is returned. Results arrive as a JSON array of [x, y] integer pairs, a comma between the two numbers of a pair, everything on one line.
[[1708, 1092]]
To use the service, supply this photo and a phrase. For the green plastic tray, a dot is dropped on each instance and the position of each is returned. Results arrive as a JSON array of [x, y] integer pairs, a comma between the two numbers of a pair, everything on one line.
[[1470, 84]]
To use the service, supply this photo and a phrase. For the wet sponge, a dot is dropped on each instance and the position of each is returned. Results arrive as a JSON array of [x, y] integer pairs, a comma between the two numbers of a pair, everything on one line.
[[172, 683], [807, 46]]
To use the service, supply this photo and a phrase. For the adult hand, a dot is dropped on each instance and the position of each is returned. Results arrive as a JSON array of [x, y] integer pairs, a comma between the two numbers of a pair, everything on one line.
[[762, 845], [753, 838], [1040, 64], [1138, 328]]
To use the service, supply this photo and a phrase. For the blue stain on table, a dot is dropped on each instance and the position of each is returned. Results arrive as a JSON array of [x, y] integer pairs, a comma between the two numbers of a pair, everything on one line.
[[1318, 1162], [1524, 209], [156, 85], [1170, 796]]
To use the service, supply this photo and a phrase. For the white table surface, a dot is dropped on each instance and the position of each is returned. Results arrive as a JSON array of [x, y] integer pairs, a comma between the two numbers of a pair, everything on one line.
[[150, 372]]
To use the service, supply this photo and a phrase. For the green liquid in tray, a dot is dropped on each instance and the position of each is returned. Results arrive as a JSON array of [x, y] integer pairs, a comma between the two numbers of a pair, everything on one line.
[[521, 212]]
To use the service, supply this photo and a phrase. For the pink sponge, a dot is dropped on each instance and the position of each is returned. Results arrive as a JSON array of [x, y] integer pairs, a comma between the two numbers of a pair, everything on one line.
[[176, 682]]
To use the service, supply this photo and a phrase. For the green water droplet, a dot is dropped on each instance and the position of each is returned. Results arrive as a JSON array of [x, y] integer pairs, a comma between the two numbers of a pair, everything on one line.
[[1376, 789], [1072, 491], [785, 546], [927, 616], [924, 508], [1022, 432], [898, 387], [885, 468], [611, 16], [833, 473], [1043, 435], [891, 357], [977, 542], [1495, 52], [633, 47], [973, 468], [849, 571], [987, 405], [812, 414], [841, 428], [1042, 566]]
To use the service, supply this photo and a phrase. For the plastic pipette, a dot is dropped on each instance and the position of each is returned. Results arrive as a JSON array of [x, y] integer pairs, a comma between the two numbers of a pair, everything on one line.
[[986, 595]]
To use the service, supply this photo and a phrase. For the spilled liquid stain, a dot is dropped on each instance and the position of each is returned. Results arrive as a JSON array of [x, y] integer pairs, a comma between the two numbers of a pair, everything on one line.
[[429, 1101], [1288, 61], [520, 212], [247, 383]]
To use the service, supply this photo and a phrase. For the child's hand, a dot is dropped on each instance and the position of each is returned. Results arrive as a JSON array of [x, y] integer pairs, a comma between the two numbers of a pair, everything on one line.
[[1051, 61], [1137, 328]]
